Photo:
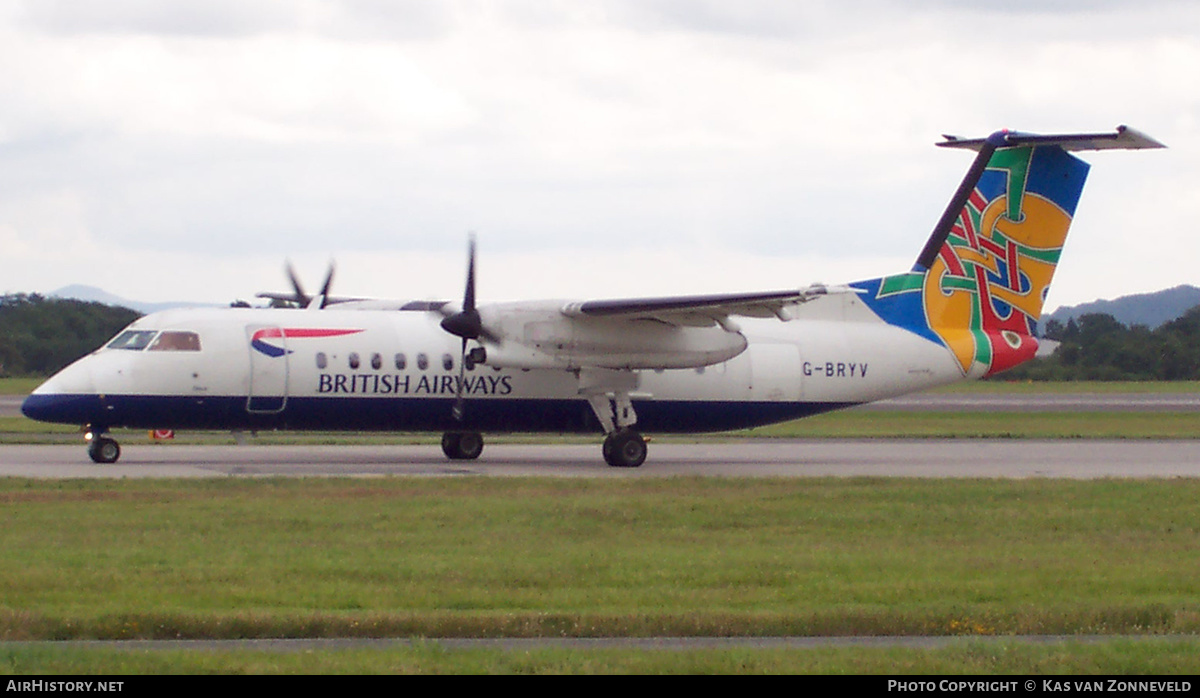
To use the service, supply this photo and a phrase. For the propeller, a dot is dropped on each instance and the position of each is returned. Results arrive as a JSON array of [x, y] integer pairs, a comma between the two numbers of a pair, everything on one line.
[[468, 325], [305, 300]]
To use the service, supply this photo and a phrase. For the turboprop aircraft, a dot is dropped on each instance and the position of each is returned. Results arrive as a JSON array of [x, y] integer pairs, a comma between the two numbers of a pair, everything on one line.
[[968, 308]]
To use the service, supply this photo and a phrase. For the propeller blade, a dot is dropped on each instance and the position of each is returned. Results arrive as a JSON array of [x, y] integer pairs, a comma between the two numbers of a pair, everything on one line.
[[466, 323], [469, 295], [328, 285], [458, 411], [301, 297]]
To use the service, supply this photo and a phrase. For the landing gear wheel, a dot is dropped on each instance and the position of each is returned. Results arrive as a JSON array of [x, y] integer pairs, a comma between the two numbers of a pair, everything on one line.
[[464, 445], [102, 449], [624, 449]]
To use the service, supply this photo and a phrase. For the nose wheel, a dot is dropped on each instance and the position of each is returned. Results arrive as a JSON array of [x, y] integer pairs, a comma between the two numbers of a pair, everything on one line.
[[103, 449]]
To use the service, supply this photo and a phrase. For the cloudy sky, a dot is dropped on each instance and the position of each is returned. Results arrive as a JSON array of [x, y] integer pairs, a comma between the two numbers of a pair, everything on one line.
[[184, 150]]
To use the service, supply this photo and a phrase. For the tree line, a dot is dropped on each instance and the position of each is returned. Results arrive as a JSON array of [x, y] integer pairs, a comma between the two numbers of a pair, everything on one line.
[[40, 335], [1098, 347]]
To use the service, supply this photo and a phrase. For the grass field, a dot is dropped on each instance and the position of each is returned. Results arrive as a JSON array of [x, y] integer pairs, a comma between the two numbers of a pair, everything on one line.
[[19, 386], [535, 557], [539, 558], [1118, 657]]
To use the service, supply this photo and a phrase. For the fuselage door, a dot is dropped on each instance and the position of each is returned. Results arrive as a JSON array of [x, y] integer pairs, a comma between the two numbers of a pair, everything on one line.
[[775, 373], [268, 369]]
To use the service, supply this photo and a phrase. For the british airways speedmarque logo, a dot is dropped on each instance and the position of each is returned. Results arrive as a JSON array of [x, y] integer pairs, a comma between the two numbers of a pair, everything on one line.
[[257, 340]]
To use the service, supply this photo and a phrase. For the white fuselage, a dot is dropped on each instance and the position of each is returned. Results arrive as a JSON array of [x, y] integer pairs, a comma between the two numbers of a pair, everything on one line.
[[398, 370]]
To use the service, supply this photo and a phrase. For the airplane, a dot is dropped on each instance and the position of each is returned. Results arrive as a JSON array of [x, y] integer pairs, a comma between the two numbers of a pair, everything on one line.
[[967, 308]]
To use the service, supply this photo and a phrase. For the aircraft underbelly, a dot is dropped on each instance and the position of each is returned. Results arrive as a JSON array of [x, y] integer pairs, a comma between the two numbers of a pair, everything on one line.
[[571, 415]]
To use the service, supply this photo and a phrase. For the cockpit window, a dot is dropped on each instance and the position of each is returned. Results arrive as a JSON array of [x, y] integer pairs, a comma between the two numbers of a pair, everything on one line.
[[172, 340], [135, 340]]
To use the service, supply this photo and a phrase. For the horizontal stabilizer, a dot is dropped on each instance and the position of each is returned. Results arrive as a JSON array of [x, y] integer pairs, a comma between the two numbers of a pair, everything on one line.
[[1124, 138]]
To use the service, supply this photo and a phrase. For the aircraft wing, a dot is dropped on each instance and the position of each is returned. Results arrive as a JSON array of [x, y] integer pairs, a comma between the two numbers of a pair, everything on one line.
[[353, 303], [703, 311], [292, 298]]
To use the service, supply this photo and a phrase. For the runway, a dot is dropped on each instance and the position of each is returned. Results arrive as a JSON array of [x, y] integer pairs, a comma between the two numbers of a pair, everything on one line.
[[923, 458], [10, 405]]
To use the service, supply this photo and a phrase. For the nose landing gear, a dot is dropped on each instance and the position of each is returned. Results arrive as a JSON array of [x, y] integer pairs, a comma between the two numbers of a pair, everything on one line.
[[103, 449]]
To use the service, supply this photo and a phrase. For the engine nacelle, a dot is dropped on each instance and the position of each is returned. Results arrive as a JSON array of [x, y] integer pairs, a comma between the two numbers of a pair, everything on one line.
[[545, 338]]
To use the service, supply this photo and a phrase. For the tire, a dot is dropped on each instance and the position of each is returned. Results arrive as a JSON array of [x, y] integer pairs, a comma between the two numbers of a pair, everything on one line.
[[462, 445], [104, 450], [624, 449]]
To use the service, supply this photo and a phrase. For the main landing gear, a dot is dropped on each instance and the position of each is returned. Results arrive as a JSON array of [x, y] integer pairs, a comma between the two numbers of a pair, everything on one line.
[[462, 445], [103, 449], [607, 393], [624, 448]]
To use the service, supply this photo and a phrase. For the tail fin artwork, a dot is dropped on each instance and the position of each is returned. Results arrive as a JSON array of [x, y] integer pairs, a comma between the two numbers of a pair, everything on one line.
[[980, 281]]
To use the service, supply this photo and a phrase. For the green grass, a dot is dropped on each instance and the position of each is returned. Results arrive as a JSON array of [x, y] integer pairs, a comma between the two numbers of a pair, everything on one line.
[[1017, 425], [998, 385], [488, 557], [480, 557], [1117, 657], [532, 557], [19, 386]]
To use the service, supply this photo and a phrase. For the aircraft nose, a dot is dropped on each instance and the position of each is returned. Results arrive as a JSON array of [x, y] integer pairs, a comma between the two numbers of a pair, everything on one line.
[[62, 409], [68, 397]]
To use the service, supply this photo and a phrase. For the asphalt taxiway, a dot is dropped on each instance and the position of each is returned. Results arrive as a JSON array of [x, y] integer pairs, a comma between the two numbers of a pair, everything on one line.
[[930, 458], [10, 405]]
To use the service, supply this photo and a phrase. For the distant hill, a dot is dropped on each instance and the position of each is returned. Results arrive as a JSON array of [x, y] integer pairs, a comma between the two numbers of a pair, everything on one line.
[[1149, 309], [98, 295]]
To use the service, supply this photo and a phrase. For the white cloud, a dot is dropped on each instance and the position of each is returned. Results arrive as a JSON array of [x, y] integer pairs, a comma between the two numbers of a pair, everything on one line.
[[604, 137]]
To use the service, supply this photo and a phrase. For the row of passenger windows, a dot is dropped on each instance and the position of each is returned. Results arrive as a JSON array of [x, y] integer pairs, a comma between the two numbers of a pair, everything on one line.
[[400, 361]]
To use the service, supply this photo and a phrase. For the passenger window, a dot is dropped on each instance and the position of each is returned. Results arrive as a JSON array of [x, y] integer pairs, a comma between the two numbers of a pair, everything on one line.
[[134, 340], [422, 361], [376, 361], [354, 360], [447, 362], [401, 362], [322, 360]]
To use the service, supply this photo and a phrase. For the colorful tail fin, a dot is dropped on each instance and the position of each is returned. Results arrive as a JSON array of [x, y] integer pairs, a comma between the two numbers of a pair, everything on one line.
[[980, 281]]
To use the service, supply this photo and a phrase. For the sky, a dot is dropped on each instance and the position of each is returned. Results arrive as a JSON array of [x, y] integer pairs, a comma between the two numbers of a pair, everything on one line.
[[185, 150]]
